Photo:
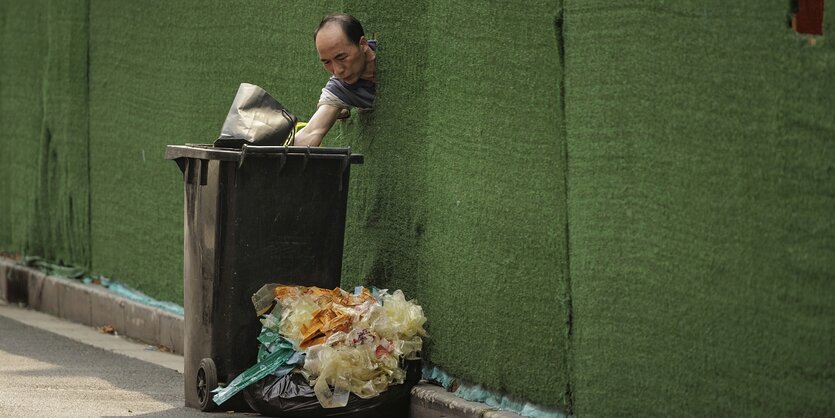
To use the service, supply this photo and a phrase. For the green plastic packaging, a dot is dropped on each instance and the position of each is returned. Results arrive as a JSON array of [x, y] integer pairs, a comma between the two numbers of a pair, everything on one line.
[[274, 352]]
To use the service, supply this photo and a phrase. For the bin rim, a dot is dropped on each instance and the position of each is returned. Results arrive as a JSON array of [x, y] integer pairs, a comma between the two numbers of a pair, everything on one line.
[[210, 152]]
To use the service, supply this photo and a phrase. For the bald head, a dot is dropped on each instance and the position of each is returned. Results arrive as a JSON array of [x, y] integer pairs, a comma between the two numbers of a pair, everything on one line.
[[350, 27]]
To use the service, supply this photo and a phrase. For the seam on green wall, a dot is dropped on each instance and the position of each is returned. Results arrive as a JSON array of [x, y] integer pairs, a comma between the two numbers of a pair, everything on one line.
[[37, 239], [89, 233], [559, 32]]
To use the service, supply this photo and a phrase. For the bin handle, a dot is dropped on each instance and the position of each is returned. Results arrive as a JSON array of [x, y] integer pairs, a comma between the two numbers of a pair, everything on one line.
[[306, 158], [283, 159], [181, 162], [204, 172], [243, 155], [346, 158], [284, 151], [346, 162]]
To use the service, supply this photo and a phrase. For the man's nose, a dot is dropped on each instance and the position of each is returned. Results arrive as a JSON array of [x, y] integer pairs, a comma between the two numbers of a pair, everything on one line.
[[338, 70]]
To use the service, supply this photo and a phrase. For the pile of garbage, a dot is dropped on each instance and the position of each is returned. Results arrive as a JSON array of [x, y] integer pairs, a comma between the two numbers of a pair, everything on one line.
[[338, 343]]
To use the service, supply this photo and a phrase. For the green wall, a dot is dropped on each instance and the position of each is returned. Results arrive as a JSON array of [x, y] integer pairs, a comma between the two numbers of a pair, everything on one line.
[[614, 209], [24, 46], [701, 143], [445, 210], [165, 72], [43, 110]]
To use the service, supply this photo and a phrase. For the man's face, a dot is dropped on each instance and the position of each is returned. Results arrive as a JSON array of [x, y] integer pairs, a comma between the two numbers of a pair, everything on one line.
[[340, 57]]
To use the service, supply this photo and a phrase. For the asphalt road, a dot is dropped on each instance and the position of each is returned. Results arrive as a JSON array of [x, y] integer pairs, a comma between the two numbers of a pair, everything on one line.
[[46, 374]]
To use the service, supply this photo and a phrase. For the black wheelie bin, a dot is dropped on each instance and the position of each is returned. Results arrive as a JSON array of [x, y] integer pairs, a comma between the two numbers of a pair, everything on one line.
[[252, 216]]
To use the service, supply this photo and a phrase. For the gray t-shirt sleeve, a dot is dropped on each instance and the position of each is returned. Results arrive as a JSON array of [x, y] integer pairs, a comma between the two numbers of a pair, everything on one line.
[[344, 96], [329, 98]]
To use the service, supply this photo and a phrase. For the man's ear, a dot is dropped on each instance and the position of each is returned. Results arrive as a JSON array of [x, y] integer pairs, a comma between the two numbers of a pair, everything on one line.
[[363, 41]]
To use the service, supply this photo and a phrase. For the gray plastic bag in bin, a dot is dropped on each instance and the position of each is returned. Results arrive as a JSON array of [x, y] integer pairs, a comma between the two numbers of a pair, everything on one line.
[[256, 118]]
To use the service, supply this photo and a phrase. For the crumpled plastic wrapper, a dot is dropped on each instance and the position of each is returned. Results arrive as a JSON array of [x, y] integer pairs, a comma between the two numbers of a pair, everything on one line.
[[352, 342]]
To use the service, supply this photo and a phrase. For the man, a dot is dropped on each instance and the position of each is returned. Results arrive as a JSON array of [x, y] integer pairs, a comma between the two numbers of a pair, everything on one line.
[[351, 60]]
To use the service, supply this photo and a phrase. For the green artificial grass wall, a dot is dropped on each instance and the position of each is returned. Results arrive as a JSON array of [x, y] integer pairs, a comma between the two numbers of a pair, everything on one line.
[[44, 113], [701, 141], [427, 209], [616, 209], [24, 43], [165, 72], [461, 199], [496, 198]]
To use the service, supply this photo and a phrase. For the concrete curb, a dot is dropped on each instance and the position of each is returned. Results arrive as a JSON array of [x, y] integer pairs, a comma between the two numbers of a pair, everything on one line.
[[89, 305], [94, 306], [430, 401]]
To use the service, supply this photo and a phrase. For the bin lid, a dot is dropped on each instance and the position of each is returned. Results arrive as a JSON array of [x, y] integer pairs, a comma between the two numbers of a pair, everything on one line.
[[210, 152]]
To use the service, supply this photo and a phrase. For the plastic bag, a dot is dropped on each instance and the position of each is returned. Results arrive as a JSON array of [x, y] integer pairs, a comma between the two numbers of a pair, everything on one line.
[[256, 118], [292, 396], [279, 351], [351, 369]]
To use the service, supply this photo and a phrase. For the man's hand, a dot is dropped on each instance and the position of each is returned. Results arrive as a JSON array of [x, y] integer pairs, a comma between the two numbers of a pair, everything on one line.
[[319, 125]]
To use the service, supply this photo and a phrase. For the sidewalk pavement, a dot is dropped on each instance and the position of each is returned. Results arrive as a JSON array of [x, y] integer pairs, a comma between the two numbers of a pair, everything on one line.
[[51, 359], [46, 370]]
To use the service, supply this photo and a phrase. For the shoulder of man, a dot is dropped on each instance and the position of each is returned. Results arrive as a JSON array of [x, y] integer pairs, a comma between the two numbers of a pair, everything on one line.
[[360, 95], [331, 95]]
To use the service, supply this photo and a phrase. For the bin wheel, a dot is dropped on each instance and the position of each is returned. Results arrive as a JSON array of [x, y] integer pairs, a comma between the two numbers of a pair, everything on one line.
[[206, 383]]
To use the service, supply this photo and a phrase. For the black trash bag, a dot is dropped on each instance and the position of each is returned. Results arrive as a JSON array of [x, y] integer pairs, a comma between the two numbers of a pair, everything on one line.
[[256, 118], [291, 396]]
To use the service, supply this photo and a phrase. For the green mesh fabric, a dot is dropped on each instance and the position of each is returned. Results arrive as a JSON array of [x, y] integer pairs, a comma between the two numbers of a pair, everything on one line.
[[461, 199], [43, 80], [662, 171], [166, 73], [701, 195], [24, 43]]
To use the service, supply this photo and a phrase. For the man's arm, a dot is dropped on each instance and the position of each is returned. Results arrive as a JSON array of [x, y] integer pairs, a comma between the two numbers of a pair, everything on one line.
[[319, 125]]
